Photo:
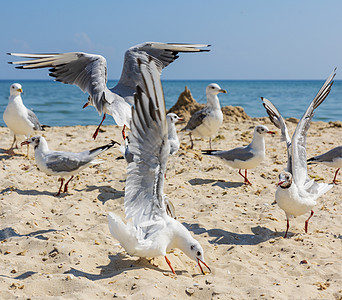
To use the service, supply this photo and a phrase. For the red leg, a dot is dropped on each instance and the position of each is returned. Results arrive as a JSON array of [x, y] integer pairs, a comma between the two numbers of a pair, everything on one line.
[[287, 227], [307, 221], [191, 142], [334, 181], [123, 132], [60, 188], [66, 185], [168, 262], [98, 127], [246, 181]]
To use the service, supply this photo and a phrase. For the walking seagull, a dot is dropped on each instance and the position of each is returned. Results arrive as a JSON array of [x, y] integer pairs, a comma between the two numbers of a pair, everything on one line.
[[150, 232], [296, 193], [89, 73], [19, 119], [332, 158], [207, 121], [247, 157], [63, 163]]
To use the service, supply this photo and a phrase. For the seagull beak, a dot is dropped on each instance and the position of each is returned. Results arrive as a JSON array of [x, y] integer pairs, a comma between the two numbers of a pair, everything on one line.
[[180, 119], [223, 91], [25, 143], [20, 90], [271, 132], [280, 182], [85, 105], [201, 261]]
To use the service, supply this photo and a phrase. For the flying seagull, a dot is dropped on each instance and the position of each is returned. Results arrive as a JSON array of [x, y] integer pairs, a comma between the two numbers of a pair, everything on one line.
[[89, 73], [150, 231], [296, 193]]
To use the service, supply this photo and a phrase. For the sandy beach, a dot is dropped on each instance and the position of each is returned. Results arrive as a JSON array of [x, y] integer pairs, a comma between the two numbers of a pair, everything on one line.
[[61, 248]]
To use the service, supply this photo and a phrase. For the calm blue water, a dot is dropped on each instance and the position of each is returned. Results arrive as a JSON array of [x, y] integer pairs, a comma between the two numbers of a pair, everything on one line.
[[58, 104]]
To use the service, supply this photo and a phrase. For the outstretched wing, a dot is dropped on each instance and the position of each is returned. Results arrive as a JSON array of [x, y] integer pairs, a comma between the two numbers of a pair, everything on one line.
[[162, 54], [149, 147], [87, 71], [298, 148], [277, 119]]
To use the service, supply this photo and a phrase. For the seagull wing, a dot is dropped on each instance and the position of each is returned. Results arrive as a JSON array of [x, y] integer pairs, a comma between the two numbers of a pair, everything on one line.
[[144, 199], [162, 54], [60, 162], [298, 148], [277, 119], [87, 71], [34, 120]]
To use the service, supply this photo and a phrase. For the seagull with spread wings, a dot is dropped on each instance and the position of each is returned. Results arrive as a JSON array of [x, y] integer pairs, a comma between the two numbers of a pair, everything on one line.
[[150, 231], [89, 73], [296, 193]]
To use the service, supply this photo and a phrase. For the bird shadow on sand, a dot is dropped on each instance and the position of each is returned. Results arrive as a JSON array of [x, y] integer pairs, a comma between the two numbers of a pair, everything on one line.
[[9, 232], [220, 183], [105, 193], [118, 264], [21, 276], [5, 156], [220, 236], [33, 193]]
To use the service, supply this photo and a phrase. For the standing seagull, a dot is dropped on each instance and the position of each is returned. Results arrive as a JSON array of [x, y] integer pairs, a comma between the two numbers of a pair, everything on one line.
[[172, 119], [151, 231], [89, 73], [332, 158], [63, 163], [247, 157], [207, 121], [19, 119], [296, 193]]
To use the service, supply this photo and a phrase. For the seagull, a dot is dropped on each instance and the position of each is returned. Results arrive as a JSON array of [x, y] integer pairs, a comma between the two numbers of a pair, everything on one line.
[[172, 119], [89, 73], [247, 157], [332, 158], [207, 121], [19, 119], [296, 193], [63, 163], [150, 231]]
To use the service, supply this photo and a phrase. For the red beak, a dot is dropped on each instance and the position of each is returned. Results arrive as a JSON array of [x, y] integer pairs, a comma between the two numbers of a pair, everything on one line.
[[203, 264], [25, 143], [271, 132], [280, 182], [85, 105], [180, 119]]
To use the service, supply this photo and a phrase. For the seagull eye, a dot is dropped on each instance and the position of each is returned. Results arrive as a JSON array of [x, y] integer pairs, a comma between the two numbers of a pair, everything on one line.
[[192, 247]]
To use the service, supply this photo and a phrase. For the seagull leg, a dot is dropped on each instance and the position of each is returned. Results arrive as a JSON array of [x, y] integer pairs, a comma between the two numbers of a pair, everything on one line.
[[307, 222], [10, 150], [123, 132], [246, 181], [287, 227], [60, 188], [191, 141], [334, 180], [98, 127], [66, 185], [169, 263]]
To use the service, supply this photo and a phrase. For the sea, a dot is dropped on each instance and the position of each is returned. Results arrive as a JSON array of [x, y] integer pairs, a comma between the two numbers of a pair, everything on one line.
[[58, 104]]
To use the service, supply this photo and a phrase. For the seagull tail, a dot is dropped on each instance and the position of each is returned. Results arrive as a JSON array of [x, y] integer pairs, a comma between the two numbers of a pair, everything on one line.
[[323, 188], [122, 232], [99, 150], [312, 160]]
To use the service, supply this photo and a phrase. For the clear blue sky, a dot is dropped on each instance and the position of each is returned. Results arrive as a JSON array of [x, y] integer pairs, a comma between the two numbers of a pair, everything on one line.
[[252, 39]]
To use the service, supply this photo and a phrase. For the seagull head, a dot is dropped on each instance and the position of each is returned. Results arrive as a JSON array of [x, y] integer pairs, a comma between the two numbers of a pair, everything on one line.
[[35, 141], [16, 89], [193, 249], [285, 180], [173, 118], [262, 129], [214, 89]]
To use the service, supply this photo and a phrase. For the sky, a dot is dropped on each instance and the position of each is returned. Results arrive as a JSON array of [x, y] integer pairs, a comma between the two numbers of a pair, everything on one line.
[[250, 39]]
